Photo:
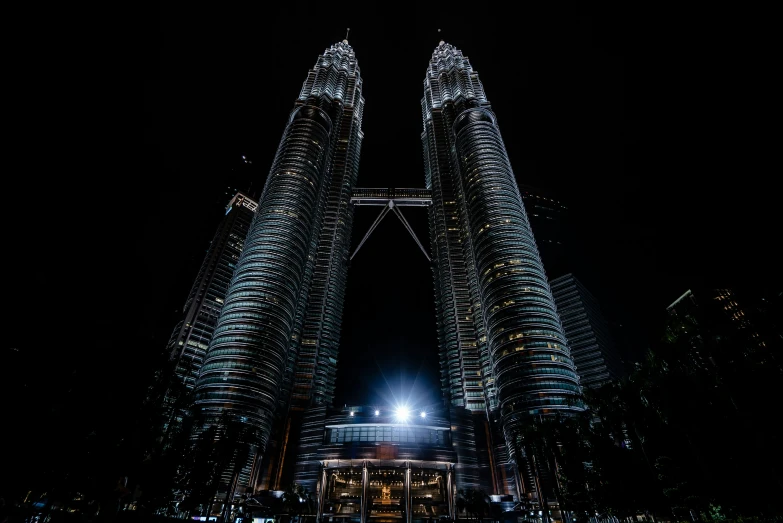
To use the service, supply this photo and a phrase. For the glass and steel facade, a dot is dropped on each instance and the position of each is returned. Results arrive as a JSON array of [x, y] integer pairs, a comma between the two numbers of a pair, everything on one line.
[[592, 348], [336, 85], [276, 337], [501, 341], [387, 433], [466, 376]]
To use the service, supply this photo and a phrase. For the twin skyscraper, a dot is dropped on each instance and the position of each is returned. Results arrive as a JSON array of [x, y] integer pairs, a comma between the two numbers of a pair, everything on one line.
[[275, 347]]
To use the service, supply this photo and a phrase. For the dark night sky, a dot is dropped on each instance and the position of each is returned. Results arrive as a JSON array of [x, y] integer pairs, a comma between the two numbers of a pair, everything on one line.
[[634, 121]]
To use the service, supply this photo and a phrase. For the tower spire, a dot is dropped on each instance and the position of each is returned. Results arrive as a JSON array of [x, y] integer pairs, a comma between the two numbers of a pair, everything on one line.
[[347, 30], [441, 40]]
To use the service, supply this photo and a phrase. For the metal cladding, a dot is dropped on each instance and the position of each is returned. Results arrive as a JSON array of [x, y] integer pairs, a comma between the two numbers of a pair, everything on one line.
[[289, 281], [450, 84], [521, 320], [487, 258], [468, 472], [336, 84]]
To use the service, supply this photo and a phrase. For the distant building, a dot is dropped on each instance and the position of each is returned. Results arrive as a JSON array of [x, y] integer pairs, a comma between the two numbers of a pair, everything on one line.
[[720, 303], [549, 220], [190, 339], [716, 314], [594, 353]]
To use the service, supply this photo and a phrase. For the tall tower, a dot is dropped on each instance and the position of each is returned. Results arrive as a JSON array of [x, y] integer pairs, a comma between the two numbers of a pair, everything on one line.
[[278, 331], [501, 341], [336, 85], [465, 371]]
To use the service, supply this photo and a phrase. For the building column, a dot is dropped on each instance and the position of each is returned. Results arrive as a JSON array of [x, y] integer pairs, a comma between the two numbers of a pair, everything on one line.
[[408, 508], [365, 488], [321, 492], [515, 467], [255, 470], [450, 490], [516, 461], [543, 503]]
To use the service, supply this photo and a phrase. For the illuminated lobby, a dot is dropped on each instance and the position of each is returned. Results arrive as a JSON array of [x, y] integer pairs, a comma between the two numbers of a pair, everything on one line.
[[387, 465]]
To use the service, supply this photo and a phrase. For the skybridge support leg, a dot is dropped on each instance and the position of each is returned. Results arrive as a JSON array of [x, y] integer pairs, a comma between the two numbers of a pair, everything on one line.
[[372, 228], [410, 229]]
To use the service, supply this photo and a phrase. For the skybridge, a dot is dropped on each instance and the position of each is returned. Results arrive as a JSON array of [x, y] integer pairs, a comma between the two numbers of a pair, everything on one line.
[[392, 200]]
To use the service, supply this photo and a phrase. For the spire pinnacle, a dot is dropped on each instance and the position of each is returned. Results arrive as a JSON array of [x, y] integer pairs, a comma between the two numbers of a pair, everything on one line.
[[345, 40], [441, 41]]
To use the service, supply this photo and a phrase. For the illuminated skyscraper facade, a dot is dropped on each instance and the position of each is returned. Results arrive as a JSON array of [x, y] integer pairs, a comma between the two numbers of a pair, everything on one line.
[[502, 345], [466, 374], [276, 337], [273, 355], [549, 221]]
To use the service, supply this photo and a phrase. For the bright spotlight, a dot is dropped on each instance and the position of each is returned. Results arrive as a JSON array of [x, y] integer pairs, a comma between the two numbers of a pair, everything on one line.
[[377, 412], [423, 414], [402, 413], [351, 413]]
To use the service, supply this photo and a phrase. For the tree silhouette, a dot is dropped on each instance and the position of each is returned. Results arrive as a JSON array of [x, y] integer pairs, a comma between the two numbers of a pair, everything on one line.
[[474, 502], [297, 500]]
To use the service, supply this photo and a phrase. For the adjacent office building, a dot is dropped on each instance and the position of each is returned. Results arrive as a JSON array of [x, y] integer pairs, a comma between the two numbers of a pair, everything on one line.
[[709, 315], [190, 339], [549, 220], [592, 348], [712, 304]]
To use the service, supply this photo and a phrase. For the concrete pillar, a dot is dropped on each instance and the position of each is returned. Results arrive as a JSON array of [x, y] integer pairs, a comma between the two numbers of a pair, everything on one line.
[[450, 491], [365, 489], [322, 486], [408, 507]]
